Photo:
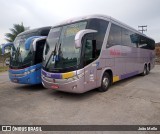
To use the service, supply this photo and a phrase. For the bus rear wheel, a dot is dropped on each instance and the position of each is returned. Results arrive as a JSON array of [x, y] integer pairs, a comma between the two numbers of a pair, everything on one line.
[[105, 83], [149, 68], [145, 71]]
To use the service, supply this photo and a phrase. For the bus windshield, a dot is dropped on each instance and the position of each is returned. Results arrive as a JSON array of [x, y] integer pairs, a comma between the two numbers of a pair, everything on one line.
[[60, 51], [20, 57]]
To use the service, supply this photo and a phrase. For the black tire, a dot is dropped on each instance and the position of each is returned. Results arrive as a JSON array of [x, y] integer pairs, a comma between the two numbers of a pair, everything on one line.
[[105, 82], [145, 71], [149, 68]]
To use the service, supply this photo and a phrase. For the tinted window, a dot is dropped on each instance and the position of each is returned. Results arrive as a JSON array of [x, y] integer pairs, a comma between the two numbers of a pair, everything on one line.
[[128, 38], [143, 42], [45, 32], [134, 42], [101, 27], [114, 35], [146, 43], [151, 44]]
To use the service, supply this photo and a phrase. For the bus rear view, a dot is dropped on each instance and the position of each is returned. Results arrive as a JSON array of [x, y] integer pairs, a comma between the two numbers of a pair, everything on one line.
[[94, 52]]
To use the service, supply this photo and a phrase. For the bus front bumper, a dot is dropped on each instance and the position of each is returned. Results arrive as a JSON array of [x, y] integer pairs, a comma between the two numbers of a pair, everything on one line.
[[27, 79], [18, 76], [66, 85]]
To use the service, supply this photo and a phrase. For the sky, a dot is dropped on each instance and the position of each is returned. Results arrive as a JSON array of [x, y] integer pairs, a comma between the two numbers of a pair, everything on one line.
[[39, 13]]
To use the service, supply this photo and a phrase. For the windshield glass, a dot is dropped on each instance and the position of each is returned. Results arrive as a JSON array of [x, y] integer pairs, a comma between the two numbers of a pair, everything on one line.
[[51, 44], [61, 47], [20, 57]]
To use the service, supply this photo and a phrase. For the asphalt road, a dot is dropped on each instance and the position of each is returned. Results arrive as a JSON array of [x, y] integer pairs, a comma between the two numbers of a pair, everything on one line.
[[134, 101]]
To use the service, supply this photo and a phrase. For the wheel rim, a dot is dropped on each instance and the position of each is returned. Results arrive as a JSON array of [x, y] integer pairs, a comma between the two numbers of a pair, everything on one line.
[[105, 82]]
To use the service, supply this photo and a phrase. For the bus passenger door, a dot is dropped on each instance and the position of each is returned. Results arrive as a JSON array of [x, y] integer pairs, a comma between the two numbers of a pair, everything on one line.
[[38, 58], [90, 65], [39, 51]]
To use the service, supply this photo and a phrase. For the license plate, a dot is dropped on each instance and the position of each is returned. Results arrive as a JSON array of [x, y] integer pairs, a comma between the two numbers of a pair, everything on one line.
[[54, 87], [15, 80]]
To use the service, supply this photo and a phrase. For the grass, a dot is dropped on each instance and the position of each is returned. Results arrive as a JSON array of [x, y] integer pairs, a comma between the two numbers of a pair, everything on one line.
[[3, 69]]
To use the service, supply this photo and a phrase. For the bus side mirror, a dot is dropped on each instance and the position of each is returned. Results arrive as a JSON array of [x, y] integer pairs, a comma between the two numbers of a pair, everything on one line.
[[43, 38], [30, 41], [80, 35], [6, 45]]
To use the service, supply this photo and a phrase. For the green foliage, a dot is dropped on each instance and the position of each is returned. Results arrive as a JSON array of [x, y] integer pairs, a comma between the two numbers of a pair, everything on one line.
[[17, 29], [3, 68]]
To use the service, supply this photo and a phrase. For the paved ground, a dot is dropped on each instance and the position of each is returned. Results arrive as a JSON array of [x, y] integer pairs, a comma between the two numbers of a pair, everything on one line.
[[1, 64], [134, 101]]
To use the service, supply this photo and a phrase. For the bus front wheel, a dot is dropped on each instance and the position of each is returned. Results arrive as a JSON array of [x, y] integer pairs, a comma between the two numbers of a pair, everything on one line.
[[105, 83]]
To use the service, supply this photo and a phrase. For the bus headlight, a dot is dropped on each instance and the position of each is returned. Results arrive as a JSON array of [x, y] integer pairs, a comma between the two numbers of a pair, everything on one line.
[[76, 77], [28, 72]]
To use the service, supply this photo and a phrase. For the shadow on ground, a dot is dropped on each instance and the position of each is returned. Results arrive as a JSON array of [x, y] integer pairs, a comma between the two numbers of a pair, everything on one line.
[[32, 88], [73, 96], [89, 94]]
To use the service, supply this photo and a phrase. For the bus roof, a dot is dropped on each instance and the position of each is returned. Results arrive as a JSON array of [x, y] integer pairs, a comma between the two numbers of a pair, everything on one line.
[[34, 30], [98, 16]]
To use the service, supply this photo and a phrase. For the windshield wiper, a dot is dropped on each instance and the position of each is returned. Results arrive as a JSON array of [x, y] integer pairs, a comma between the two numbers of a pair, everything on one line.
[[53, 53], [59, 53], [19, 56]]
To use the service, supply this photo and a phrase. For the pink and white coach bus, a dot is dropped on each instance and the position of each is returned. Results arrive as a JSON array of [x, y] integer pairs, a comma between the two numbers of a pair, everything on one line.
[[94, 52]]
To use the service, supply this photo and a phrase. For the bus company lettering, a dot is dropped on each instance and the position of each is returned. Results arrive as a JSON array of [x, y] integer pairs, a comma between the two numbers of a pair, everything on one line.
[[115, 52]]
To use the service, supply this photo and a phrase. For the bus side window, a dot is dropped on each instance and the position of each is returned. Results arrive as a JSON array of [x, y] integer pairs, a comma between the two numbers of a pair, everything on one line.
[[133, 39], [146, 43], [101, 26], [126, 39], [151, 44], [114, 35], [143, 42]]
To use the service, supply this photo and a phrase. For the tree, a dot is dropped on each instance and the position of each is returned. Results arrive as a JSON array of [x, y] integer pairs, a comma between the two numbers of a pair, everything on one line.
[[17, 29]]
